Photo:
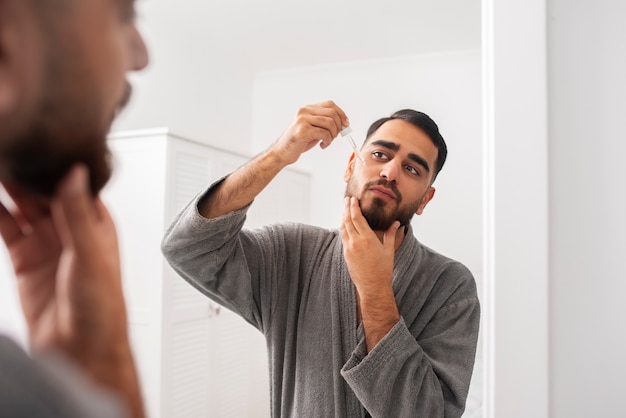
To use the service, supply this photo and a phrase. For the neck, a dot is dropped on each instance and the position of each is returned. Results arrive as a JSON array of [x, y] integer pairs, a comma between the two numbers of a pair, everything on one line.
[[400, 234]]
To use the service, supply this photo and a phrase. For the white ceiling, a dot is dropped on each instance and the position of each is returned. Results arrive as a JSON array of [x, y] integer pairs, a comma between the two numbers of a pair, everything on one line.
[[270, 34]]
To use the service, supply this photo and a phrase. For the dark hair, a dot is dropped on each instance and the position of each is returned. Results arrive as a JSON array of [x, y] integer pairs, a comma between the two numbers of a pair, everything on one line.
[[423, 122]]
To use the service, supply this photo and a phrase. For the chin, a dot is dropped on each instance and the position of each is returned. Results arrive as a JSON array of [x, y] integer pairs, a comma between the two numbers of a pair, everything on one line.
[[42, 178], [38, 161]]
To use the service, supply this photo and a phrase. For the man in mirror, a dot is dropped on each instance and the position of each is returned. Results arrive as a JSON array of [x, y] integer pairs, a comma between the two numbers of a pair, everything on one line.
[[360, 321], [63, 67]]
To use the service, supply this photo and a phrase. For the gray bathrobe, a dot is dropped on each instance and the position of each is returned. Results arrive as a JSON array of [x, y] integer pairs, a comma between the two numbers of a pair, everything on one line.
[[50, 385], [291, 282]]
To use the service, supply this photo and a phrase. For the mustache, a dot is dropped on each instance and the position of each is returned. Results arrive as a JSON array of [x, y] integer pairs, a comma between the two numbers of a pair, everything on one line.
[[128, 93], [388, 184]]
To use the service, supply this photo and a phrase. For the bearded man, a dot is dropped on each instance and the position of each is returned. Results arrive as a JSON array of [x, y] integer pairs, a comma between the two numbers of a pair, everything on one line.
[[63, 68], [360, 321]]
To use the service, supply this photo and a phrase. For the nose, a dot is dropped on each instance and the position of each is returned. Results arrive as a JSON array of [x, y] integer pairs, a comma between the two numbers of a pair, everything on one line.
[[138, 50], [389, 172]]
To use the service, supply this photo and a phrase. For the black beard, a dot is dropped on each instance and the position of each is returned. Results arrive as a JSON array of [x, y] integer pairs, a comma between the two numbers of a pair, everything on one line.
[[63, 133], [375, 215], [37, 161], [377, 218]]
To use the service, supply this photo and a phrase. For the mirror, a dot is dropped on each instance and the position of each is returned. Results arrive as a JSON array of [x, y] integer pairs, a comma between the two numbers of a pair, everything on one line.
[[232, 75]]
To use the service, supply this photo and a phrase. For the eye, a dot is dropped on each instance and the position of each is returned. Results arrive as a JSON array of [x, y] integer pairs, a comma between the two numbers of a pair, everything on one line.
[[412, 170], [379, 155]]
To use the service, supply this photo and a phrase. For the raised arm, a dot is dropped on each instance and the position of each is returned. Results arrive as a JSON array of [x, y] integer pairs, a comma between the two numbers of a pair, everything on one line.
[[313, 124]]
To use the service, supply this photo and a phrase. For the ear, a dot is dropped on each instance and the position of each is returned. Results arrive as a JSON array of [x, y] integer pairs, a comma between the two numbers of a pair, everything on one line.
[[349, 168], [425, 199]]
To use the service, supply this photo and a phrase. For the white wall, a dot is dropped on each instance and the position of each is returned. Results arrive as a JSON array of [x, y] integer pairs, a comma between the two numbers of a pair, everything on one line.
[[587, 64], [191, 85], [11, 319]]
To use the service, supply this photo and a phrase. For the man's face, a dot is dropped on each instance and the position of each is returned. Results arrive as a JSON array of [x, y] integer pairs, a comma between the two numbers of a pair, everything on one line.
[[86, 49], [395, 181]]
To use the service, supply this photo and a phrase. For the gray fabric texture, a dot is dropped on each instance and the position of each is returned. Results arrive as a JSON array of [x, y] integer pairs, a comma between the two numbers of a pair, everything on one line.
[[49, 386], [291, 282]]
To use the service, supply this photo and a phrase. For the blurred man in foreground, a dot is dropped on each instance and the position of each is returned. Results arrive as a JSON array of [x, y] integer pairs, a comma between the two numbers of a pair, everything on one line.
[[63, 66]]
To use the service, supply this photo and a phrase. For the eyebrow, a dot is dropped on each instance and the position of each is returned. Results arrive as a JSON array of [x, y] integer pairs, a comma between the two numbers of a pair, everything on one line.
[[395, 147]]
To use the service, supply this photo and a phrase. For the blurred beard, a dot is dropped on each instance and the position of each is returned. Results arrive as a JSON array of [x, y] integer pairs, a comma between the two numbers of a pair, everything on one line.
[[377, 213], [64, 133], [39, 159]]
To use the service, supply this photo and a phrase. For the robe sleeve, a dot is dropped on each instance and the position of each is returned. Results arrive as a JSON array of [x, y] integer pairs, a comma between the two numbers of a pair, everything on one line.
[[220, 260], [427, 376]]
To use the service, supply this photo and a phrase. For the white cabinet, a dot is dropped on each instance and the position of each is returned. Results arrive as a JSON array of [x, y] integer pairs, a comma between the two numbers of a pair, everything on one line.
[[195, 359]]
